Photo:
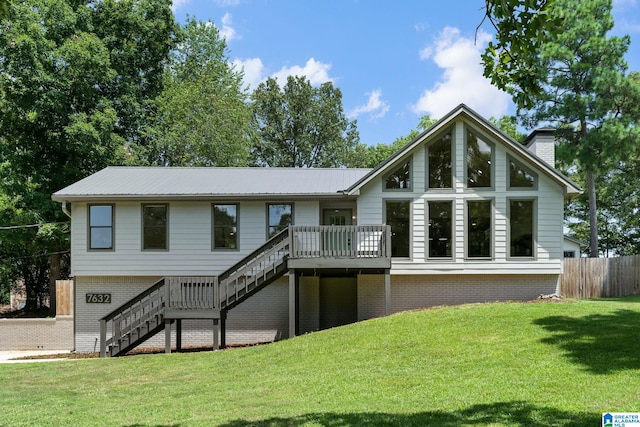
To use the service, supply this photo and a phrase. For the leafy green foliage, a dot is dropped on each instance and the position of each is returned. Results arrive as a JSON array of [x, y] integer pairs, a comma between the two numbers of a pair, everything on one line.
[[302, 126], [75, 78], [522, 27], [509, 125], [376, 154], [202, 117]]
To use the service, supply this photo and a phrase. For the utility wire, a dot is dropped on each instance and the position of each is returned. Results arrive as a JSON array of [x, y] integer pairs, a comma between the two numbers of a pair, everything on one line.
[[15, 227]]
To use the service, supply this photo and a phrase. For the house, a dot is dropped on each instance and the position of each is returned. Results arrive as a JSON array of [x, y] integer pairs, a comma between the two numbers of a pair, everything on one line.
[[461, 214], [572, 247]]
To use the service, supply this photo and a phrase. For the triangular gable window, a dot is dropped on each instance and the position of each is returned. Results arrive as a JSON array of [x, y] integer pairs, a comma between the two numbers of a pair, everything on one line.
[[521, 176], [400, 178]]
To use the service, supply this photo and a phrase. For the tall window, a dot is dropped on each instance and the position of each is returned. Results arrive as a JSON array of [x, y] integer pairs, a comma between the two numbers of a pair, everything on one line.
[[225, 226], [439, 163], [479, 160], [155, 227], [279, 217], [521, 217], [397, 216], [440, 229], [520, 176], [100, 226], [400, 178], [479, 229]]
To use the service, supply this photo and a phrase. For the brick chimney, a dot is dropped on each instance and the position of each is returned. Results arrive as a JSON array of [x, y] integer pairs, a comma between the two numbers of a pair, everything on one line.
[[541, 142]]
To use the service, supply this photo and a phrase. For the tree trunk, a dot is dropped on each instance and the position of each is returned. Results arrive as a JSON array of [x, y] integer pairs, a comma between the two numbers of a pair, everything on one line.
[[593, 215]]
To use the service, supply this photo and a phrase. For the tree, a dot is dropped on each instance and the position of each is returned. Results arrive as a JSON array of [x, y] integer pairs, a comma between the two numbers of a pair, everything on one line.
[[522, 27], [202, 117], [583, 88], [376, 154], [301, 126], [74, 81], [509, 125]]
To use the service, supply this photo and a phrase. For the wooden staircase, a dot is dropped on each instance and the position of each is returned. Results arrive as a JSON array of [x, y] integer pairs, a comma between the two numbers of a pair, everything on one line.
[[172, 298]]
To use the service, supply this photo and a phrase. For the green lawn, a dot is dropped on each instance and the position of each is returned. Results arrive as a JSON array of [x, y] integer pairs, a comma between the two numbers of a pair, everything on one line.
[[535, 364]]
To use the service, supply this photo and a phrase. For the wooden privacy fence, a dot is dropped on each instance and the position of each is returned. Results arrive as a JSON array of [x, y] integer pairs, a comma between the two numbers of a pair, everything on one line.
[[64, 297], [600, 277]]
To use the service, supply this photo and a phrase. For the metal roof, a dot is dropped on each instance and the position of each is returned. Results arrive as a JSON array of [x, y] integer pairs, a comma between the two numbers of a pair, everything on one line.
[[190, 182]]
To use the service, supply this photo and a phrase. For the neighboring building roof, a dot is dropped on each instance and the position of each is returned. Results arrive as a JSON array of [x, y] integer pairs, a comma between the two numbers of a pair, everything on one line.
[[191, 182], [571, 189], [576, 241]]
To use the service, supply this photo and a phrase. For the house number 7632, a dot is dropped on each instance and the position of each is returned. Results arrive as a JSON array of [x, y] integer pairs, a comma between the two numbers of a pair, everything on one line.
[[98, 298]]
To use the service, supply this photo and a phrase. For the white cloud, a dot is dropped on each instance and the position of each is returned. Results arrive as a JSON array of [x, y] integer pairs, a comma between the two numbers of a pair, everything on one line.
[[227, 31], [226, 3], [317, 72], [462, 80], [376, 107], [254, 71]]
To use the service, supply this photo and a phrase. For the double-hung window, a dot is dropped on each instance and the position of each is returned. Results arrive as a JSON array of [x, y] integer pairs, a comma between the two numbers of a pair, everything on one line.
[[225, 226], [279, 217], [155, 227], [101, 227]]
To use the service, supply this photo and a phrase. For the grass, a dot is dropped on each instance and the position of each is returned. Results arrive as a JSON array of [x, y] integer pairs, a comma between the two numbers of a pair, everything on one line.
[[522, 364]]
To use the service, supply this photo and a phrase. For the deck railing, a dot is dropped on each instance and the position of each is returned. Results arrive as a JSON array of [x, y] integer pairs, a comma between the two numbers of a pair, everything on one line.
[[193, 293], [332, 241]]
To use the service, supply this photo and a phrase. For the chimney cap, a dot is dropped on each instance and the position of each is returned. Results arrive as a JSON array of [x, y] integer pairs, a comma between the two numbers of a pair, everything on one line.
[[547, 130]]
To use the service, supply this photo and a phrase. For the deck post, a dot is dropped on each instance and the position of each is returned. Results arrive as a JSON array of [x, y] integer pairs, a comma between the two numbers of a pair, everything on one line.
[[178, 334], [167, 336], [216, 329], [387, 292], [292, 303], [103, 338], [223, 329]]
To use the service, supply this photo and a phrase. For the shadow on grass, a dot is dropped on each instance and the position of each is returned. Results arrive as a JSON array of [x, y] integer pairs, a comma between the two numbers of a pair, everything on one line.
[[502, 413], [601, 343]]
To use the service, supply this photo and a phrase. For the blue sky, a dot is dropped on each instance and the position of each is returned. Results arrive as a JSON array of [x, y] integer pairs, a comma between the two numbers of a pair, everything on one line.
[[394, 61]]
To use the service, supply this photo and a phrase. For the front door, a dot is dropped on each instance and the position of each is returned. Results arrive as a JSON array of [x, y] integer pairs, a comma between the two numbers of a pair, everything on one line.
[[336, 240]]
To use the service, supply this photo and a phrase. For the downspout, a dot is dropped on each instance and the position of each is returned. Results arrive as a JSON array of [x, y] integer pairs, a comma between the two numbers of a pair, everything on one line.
[[65, 210]]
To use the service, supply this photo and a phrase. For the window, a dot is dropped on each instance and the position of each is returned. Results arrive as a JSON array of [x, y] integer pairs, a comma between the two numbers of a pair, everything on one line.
[[400, 178], [479, 161], [479, 229], [440, 229], [397, 216], [439, 163], [569, 254], [225, 226], [279, 217], [521, 217], [520, 176], [155, 227], [101, 227]]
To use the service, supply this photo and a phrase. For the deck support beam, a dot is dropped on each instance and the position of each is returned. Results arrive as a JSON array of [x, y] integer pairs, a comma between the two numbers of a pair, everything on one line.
[[216, 330], [223, 329], [387, 292], [292, 302], [178, 334], [167, 336]]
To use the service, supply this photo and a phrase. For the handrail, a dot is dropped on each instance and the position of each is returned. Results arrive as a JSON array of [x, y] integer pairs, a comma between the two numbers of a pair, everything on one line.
[[343, 241], [134, 300], [282, 235]]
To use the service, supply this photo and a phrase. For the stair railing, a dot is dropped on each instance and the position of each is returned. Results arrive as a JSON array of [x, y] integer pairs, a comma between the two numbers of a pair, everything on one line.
[[237, 280], [132, 314]]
